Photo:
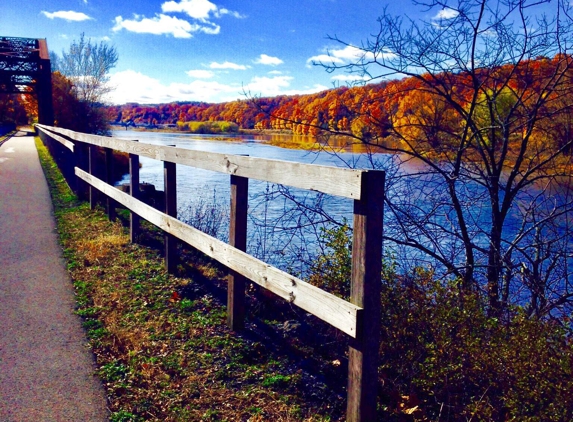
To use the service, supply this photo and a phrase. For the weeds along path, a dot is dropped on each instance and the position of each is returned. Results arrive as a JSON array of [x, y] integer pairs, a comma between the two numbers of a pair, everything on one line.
[[162, 346], [46, 371]]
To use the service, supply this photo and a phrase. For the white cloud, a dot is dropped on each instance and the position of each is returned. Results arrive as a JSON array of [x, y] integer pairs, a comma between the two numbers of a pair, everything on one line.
[[162, 24], [132, 86], [307, 90], [227, 65], [446, 13], [200, 11], [277, 85], [324, 58], [275, 72], [350, 78], [268, 60], [348, 54], [340, 56], [200, 73], [230, 12], [197, 9], [263, 85], [212, 30], [104, 38], [69, 15]]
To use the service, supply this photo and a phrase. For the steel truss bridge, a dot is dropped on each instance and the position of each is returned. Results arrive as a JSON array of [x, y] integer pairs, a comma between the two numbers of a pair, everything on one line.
[[25, 68]]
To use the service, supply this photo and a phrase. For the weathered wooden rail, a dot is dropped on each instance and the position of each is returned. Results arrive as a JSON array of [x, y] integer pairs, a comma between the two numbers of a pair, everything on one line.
[[359, 318]]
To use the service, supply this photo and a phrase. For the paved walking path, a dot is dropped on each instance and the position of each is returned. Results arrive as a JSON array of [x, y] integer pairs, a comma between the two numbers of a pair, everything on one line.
[[46, 371]]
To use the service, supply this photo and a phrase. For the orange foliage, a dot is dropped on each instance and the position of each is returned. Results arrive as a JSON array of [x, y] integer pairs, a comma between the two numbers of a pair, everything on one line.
[[408, 109]]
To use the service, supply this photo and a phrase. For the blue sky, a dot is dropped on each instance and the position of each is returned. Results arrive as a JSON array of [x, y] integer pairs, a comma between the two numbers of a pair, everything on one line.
[[179, 50], [202, 50]]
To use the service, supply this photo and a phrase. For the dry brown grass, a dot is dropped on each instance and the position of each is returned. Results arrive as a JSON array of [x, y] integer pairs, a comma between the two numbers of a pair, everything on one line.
[[162, 347]]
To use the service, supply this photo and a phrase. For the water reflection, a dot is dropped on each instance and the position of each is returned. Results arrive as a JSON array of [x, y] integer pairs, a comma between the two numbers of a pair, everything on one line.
[[283, 229]]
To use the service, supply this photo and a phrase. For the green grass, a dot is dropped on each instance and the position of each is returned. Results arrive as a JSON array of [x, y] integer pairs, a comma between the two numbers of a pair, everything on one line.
[[162, 347]]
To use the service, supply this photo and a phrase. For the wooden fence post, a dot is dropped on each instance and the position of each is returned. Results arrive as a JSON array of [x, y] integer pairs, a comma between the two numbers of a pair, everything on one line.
[[134, 221], [170, 187], [238, 239], [91, 167], [110, 203], [67, 161], [365, 292], [80, 161]]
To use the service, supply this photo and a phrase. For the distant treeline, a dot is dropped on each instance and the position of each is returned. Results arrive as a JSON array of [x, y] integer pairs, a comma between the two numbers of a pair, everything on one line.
[[374, 111], [191, 127], [301, 114]]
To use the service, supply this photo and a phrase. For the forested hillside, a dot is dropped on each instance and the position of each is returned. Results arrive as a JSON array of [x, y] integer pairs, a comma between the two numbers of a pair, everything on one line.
[[301, 114], [369, 111]]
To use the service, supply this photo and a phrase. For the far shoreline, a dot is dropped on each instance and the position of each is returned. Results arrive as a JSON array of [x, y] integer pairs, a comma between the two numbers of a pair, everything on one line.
[[175, 130], [276, 137]]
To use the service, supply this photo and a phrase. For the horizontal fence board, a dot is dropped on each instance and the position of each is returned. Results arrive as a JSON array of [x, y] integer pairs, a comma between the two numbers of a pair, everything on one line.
[[337, 312], [331, 180], [68, 144]]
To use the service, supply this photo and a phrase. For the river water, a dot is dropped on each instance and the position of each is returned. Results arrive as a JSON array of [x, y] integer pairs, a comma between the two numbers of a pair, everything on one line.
[[285, 233], [279, 237]]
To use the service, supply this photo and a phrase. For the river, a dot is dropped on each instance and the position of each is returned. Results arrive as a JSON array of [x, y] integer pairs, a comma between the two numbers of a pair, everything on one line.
[[284, 233], [274, 235]]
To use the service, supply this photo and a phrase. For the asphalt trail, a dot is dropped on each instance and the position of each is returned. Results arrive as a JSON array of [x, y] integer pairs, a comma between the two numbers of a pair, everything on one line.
[[46, 370]]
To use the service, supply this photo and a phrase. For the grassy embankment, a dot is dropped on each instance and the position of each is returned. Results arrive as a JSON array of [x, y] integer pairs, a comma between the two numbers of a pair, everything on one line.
[[162, 348]]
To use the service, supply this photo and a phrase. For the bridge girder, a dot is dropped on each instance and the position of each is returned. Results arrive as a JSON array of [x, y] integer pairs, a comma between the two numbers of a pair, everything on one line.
[[25, 68]]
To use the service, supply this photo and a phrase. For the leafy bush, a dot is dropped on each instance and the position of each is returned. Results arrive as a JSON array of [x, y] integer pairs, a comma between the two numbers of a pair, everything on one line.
[[331, 270], [209, 216], [442, 348], [442, 357], [208, 127]]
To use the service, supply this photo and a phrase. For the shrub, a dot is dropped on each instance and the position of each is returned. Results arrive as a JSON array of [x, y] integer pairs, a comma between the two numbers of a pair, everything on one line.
[[440, 347], [208, 127], [443, 358], [209, 216], [331, 270]]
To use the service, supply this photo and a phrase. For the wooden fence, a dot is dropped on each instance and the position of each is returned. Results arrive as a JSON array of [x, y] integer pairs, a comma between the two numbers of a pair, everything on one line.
[[359, 319]]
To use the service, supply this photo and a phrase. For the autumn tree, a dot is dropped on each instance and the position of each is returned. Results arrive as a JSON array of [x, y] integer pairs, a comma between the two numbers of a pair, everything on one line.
[[87, 64], [480, 127], [12, 111], [72, 113], [85, 67]]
